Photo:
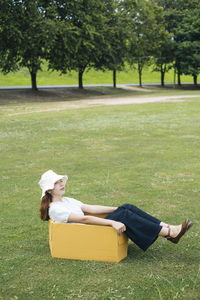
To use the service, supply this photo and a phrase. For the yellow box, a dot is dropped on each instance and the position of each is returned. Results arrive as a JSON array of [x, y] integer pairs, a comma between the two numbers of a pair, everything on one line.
[[86, 242]]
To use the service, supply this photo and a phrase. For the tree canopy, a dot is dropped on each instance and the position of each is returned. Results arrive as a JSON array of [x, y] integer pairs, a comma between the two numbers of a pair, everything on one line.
[[101, 34]]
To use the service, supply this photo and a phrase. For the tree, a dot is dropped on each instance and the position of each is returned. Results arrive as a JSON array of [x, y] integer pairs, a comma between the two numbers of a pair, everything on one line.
[[149, 32], [34, 36], [10, 37], [113, 50], [38, 34], [163, 57], [188, 37], [80, 38], [175, 13]]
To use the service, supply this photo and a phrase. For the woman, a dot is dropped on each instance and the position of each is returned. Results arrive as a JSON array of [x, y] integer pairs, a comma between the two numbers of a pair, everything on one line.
[[140, 227]]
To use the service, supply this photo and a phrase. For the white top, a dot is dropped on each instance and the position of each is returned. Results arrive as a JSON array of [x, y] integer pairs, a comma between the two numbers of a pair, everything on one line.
[[59, 211]]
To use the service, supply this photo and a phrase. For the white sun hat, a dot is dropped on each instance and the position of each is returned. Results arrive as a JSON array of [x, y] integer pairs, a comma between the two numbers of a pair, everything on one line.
[[48, 180]]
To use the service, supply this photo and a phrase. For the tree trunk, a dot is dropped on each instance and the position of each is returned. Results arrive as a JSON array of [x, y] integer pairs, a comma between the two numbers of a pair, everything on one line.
[[174, 76], [114, 78], [33, 81], [195, 79], [162, 76], [140, 74], [179, 78], [80, 79]]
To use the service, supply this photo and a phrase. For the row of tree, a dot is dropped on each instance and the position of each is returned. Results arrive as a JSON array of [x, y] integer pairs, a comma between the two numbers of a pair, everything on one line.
[[101, 34]]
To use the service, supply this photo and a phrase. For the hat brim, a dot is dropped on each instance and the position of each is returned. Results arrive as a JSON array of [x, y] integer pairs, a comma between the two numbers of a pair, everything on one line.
[[50, 185]]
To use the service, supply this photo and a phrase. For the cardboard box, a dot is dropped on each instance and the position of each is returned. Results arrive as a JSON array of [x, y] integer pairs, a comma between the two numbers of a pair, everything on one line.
[[87, 242]]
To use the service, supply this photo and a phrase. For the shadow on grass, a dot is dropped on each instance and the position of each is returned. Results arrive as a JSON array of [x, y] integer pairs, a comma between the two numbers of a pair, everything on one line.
[[10, 96], [18, 96]]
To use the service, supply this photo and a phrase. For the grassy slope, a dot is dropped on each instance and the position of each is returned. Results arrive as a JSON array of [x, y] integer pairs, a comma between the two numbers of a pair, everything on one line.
[[146, 154], [44, 77]]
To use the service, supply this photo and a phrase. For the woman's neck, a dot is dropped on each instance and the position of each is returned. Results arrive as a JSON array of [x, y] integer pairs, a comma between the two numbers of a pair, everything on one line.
[[56, 199]]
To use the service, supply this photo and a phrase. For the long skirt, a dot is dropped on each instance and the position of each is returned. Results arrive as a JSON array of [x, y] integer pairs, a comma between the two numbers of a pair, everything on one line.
[[141, 228]]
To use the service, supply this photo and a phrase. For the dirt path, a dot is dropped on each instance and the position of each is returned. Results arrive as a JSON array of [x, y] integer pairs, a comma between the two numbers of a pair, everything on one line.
[[62, 105], [139, 100]]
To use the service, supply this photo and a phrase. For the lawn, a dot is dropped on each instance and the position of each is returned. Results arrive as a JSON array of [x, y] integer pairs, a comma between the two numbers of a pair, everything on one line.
[[144, 154], [129, 75]]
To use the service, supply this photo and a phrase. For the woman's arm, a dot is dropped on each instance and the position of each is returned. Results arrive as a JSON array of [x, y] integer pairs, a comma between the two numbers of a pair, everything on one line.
[[97, 209], [118, 226]]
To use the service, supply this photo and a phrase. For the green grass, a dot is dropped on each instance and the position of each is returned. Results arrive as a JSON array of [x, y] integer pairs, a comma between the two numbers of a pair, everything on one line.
[[22, 77], [145, 154]]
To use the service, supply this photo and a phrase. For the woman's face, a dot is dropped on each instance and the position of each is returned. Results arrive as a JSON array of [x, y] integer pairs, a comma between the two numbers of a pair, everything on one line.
[[59, 188]]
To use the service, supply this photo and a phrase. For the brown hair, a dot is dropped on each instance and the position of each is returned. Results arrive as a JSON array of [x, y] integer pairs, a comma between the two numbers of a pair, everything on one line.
[[44, 208]]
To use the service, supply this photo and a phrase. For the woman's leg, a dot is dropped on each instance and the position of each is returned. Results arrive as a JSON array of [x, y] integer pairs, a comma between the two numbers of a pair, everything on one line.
[[140, 230], [174, 230], [141, 213]]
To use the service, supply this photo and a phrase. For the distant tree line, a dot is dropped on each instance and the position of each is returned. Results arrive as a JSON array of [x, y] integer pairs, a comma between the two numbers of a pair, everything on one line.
[[100, 34]]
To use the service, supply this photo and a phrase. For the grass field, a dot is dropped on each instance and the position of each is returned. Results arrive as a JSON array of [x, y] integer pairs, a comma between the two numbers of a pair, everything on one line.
[[145, 154], [22, 77]]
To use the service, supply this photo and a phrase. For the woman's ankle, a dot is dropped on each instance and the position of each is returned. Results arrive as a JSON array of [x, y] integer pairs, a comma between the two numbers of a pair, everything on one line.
[[175, 230], [164, 224]]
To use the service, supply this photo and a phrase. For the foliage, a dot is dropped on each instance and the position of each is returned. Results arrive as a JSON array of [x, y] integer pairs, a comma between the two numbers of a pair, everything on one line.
[[34, 36], [164, 57], [10, 37], [188, 38], [115, 32], [79, 41], [149, 34], [181, 18], [104, 35]]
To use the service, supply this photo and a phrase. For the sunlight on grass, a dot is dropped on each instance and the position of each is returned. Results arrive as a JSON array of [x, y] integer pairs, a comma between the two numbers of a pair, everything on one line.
[[45, 77]]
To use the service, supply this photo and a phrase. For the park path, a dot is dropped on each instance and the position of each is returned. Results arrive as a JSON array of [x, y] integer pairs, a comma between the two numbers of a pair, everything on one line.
[[62, 105], [139, 100]]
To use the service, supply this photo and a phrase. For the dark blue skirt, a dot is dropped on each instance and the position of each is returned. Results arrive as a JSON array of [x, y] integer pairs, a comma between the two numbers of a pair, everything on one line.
[[141, 228]]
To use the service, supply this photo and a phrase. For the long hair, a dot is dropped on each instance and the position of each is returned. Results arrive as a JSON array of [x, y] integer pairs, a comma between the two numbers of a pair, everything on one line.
[[44, 208]]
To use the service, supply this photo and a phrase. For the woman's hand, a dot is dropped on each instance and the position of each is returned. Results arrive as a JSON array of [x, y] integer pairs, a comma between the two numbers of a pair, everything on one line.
[[119, 227]]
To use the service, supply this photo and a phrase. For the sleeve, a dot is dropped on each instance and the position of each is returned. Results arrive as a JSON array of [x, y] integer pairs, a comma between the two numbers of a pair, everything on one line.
[[59, 214]]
